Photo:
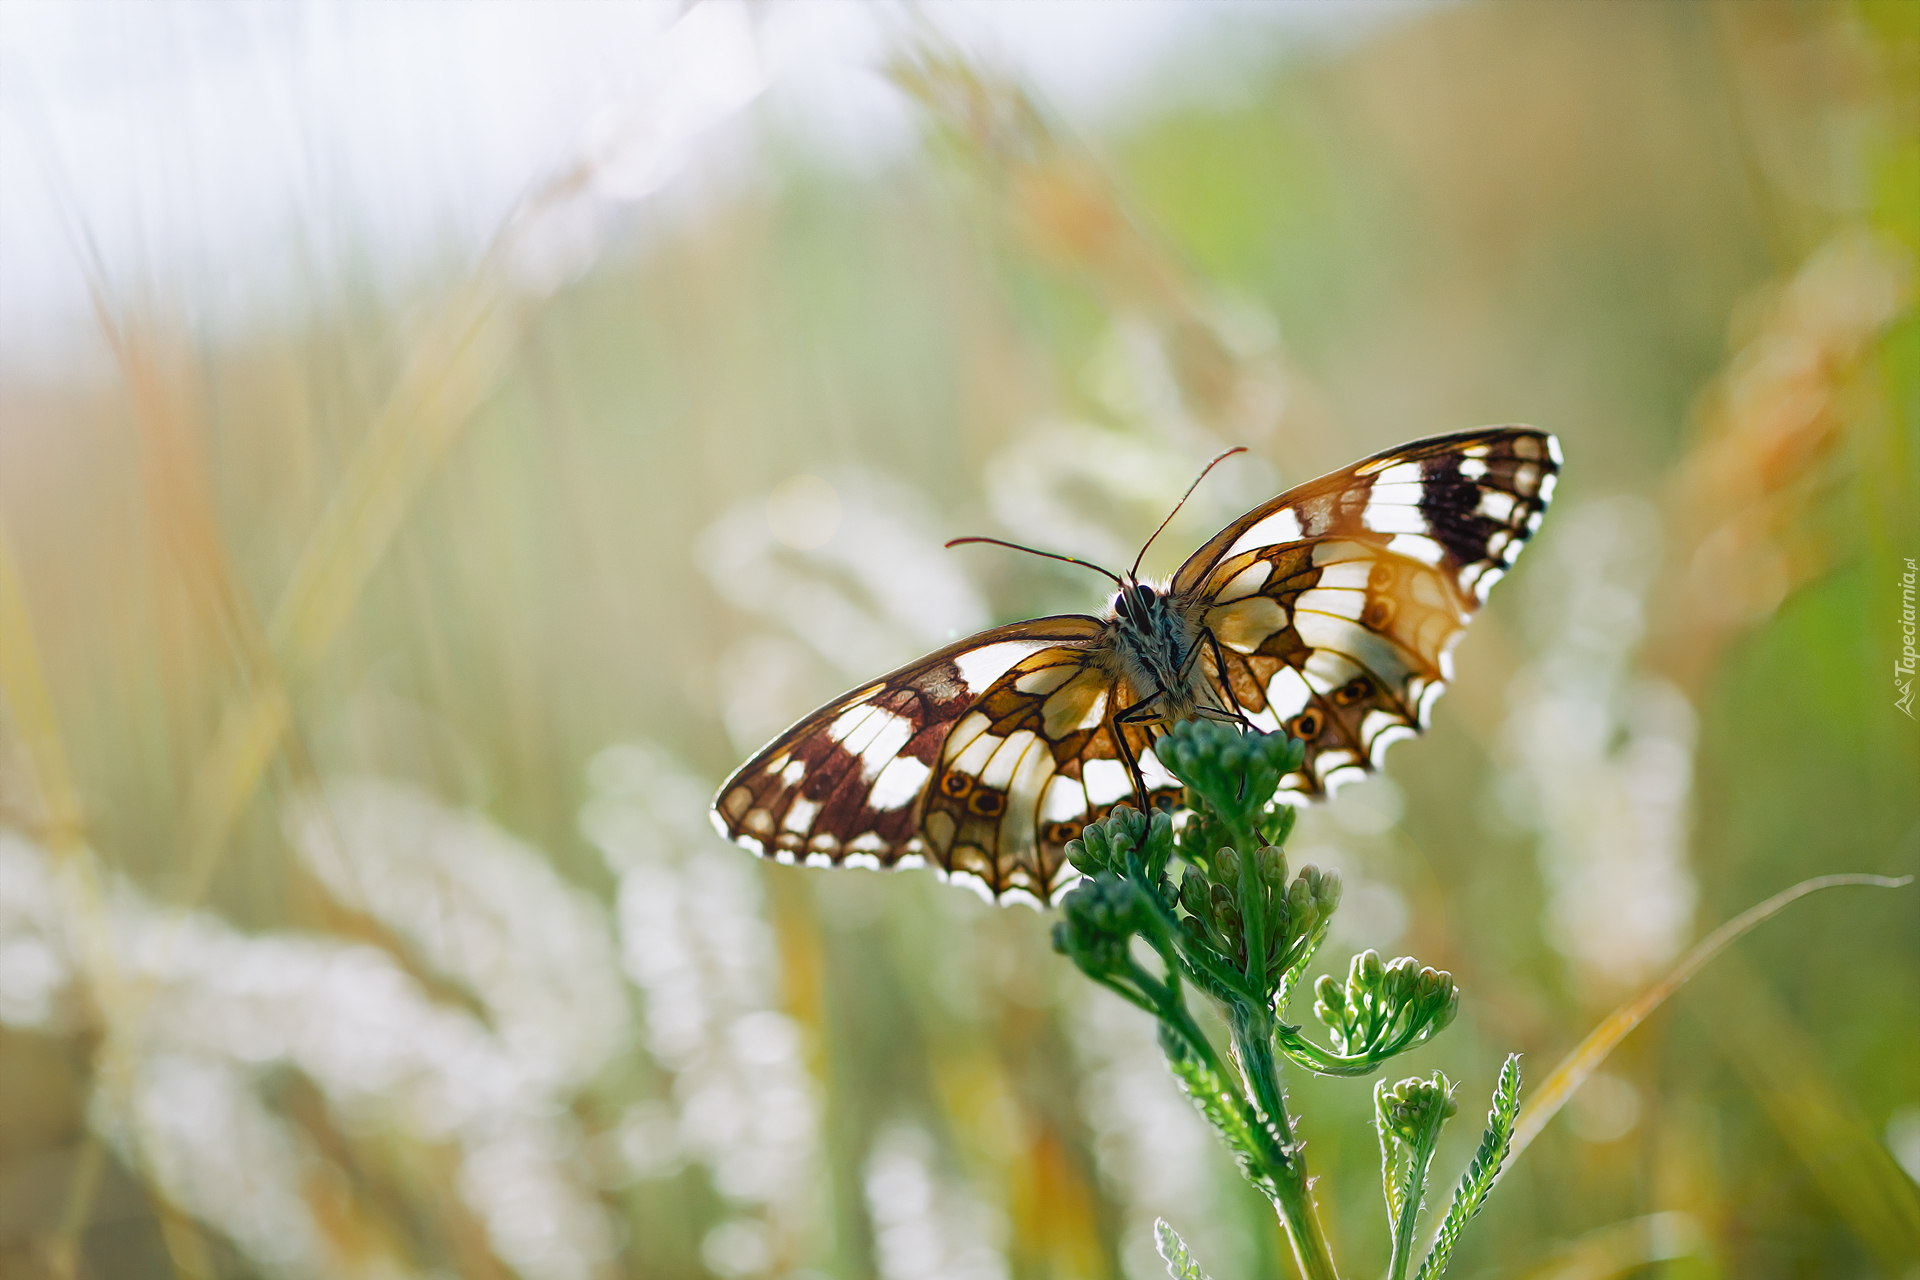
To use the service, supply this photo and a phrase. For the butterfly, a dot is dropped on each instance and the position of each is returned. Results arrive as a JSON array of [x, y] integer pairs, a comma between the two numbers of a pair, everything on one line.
[[1329, 612]]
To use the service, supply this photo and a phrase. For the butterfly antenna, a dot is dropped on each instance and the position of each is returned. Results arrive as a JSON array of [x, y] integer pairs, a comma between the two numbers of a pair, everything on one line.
[[1135, 571], [1051, 555]]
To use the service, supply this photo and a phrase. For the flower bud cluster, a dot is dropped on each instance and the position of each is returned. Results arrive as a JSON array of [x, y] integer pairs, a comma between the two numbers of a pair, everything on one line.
[[1412, 1109], [1294, 915], [1103, 846], [1099, 917], [1383, 1009], [1236, 774], [1234, 926]]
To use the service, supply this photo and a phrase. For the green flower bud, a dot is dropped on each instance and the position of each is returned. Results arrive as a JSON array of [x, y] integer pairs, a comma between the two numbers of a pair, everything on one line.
[[1195, 893], [1234, 773], [1159, 845], [1399, 983], [1101, 915], [1220, 903], [1271, 865], [1312, 898], [1200, 836], [1107, 903], [1226, 866], [1413, 1108], [1300, 894], [1384, 1009], [1330, 1000], [1127, 824], [1437, 998], [1327, 894], [1099, 852]]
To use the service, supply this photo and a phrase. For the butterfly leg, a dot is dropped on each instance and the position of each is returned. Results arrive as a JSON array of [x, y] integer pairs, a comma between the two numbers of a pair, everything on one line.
[[1142, 712], [1222, 713], [1239, 715]]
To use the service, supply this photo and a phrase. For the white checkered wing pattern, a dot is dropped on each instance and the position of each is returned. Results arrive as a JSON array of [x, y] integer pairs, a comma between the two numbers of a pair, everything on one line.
[[1337, 604], [947, 762]]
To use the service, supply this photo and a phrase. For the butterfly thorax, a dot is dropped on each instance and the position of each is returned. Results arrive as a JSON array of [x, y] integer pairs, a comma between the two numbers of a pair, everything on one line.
[[1152, 647]]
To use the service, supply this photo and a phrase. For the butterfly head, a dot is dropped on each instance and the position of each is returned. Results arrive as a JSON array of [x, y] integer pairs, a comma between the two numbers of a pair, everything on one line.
[[1135, 604]]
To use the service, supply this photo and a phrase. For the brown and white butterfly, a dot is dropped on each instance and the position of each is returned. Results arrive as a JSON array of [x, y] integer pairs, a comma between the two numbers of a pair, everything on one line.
[[1329, 611]]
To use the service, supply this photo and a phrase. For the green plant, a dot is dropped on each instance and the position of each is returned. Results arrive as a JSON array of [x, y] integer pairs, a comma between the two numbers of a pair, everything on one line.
[[1233, 925]]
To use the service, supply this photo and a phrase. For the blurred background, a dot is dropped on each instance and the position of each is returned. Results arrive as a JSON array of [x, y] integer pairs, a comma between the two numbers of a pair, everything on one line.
[[438, 443]]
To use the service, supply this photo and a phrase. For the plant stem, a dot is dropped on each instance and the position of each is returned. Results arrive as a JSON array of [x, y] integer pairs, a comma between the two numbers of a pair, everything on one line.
[[1420, 1161], [1253, 912], [1253, 1042]]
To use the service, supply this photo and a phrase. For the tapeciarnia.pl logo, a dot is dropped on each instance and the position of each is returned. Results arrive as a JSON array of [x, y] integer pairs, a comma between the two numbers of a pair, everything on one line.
[[1903, 666]]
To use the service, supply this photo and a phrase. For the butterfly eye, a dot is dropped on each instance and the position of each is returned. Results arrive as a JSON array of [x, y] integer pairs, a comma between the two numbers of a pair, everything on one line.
[[955, 785], [1136, 604], [1060, 832], [1353, 691], [1305, 726]]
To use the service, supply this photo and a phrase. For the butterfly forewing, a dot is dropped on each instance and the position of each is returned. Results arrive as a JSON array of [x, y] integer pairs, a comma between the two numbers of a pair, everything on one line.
[[1337, 604]]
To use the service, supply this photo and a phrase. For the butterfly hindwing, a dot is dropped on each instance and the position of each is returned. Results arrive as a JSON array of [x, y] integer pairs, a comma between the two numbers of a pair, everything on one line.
[[1337, 604], [1009, 792], [1031, 763], [844, 786]]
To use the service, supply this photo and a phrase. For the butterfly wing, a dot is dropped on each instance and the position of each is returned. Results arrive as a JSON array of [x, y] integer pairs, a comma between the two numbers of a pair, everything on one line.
[[850, 784], [1337, 604], [1029, 764]]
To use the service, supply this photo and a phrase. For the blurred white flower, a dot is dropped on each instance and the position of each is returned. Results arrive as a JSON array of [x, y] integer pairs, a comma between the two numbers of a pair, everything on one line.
[[181, 1073], [223, 1157], [695, 940], [35, 940], [877, 591], [927, 1226], [803, 512], [482, 908], [1156, 1156], [736, 1248], [1096, 492], [1070, 487], [1601, 760]]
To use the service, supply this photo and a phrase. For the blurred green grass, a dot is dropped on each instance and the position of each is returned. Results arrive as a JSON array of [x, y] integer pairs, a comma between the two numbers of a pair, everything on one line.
[[1562, 214]]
